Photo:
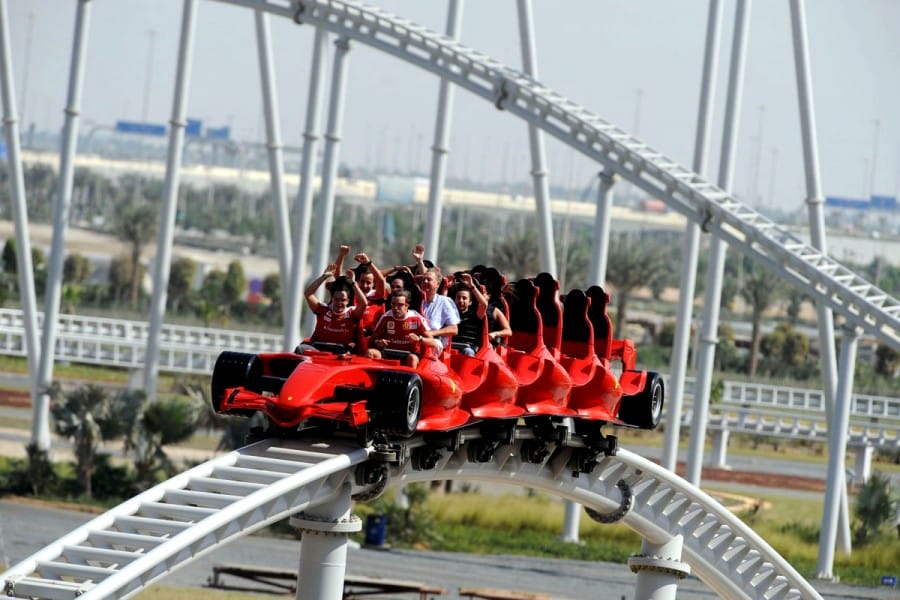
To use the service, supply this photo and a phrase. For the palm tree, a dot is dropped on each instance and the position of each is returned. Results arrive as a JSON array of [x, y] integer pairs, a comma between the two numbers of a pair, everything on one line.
[[87, 416], [875, 505], [633, 264], [760, 289], [137, 224], [163, 422]]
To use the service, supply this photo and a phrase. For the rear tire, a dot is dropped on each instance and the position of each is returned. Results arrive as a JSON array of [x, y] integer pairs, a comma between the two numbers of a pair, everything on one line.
[[644, 410], [234, 369], [398, 396]]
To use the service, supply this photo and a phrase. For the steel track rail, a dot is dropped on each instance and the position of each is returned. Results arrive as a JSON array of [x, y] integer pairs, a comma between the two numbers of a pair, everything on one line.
[[140, 541], [860, 302], [721, 550], [133, 545]]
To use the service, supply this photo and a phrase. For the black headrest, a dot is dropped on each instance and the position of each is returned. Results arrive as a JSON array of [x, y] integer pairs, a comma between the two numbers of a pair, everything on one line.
[[597, 310], [547, 299], [523, 315], [575, 316]]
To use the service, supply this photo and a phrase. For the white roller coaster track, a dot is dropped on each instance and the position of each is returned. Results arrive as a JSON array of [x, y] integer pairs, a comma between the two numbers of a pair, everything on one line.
[[133, 545], [825, 280]]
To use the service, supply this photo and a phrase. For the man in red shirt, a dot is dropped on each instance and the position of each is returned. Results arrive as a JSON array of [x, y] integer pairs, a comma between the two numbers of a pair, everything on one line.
[[401, 329], [337, 321]]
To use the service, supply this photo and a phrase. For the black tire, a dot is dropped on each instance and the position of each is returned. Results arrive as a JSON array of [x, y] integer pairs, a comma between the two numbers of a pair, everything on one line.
[[234, 369], [644, 410], [398, 396]]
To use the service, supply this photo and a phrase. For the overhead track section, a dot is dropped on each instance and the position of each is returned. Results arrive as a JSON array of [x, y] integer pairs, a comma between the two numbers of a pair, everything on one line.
[[131, 546], [825, 280]]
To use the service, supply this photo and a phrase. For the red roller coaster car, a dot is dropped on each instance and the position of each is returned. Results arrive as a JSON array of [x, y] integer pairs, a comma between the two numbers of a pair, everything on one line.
[[557, 366]]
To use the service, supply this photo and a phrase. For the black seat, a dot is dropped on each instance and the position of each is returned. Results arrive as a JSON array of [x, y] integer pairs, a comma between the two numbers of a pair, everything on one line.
[[524, 318], [600, 320], [577, 330], [550, 309]]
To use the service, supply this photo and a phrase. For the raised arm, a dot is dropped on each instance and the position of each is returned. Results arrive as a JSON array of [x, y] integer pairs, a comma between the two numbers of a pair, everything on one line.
[[418, 254], [312, 301], [359, 307], [380, 282], [343, 251], [480, 300]]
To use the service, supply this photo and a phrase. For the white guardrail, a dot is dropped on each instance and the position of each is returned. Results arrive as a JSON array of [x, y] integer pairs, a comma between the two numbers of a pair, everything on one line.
[[122, 343]]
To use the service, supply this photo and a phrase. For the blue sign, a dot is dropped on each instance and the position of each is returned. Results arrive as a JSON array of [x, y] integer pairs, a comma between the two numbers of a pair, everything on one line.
[[193, 128], [2, 150], [140, 128], [889, 580], [218, 133]]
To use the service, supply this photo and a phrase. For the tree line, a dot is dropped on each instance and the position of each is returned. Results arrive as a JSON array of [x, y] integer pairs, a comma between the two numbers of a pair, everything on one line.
[[642, 265]]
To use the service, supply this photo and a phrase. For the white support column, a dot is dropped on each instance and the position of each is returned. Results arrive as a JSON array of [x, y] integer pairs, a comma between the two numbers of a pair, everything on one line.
[[863, 463], [303, 207], [323, 548], [40, 431], [63, 201], [571, 522], [273, 142], [536, 139], [816, 218], [691, 249], [600, 251], [716, 267], [837, 446], [659, 569], [325, 209], [719, 448], [439, 149], [162, 263]]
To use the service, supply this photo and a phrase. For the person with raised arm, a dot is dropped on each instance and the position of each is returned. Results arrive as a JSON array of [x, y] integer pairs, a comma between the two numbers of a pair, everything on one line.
[[338, 320]]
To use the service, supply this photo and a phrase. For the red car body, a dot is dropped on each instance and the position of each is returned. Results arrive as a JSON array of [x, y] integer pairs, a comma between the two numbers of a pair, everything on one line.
[[571, 376]]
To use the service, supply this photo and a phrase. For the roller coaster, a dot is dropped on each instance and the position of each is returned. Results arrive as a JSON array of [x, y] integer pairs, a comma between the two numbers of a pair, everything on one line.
[[315, 478]]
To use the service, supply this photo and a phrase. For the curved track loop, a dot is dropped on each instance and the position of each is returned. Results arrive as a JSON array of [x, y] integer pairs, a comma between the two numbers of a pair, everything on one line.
[[862, 303], [722, 551], [129, 547], [133, 545]]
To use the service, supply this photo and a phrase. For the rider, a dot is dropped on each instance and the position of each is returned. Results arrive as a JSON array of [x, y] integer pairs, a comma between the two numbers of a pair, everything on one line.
[[337, 321], [440, 310], [401, 329], [473, 308]]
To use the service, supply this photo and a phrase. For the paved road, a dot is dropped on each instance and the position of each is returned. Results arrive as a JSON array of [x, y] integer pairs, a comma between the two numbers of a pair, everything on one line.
[[25, 528]]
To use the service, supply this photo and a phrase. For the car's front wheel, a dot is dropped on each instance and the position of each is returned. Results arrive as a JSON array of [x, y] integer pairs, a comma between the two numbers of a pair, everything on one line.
[[644, 410], [398, 396], [234, 369]]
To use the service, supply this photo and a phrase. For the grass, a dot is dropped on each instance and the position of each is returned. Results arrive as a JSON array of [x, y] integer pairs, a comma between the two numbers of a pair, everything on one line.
[[530, 525]]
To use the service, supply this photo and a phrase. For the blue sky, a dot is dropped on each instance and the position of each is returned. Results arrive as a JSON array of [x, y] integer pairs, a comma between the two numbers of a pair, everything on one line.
[[636, 63]]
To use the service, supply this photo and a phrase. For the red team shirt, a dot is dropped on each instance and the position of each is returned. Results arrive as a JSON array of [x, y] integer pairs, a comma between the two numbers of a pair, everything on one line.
[[334, 328], [396, 331]]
